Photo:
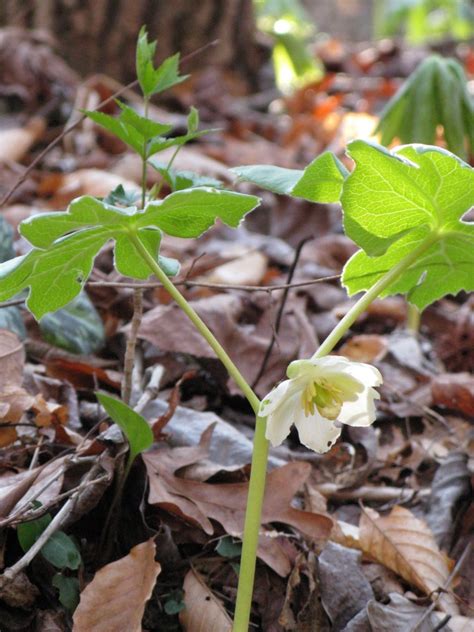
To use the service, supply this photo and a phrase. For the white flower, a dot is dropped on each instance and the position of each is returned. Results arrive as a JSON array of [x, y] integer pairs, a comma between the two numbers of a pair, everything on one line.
[[318, 393]]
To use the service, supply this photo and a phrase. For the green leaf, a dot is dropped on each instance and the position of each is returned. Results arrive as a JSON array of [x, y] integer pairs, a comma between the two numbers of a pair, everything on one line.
[[153, 80], [143, 135], [392, 202], [228, 548], [55, 275], [69, 590], [133, 425], [435, 94], [67, 243], [191, 212], [321, 181], [179, 180], [175, 602], [29, 532], [193, 120], [77, 328], [61, 551]]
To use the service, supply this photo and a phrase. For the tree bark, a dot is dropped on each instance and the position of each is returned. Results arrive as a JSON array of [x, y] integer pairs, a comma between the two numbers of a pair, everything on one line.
[[100, 35]]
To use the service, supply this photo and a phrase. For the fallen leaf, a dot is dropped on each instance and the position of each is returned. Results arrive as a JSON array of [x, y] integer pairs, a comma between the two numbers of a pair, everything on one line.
[[14, 400], [406, 545], [247, 269], [454, 391], [200, 503], [16, 142], [168, 329], [451, 485], [203, 611], [344, 588], [365, 348], [115, 599], [400, 615]]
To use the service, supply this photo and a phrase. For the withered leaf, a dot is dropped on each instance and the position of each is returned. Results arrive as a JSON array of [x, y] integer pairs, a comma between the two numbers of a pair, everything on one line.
[[115, 599], [407, 546], [203, 610]]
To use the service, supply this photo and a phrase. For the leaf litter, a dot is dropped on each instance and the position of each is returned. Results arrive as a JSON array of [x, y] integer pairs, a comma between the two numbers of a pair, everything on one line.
[[407, 548]]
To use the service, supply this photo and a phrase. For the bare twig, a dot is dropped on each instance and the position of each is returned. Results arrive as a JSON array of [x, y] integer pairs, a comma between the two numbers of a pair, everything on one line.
[[366, 492], [131, 344], [443, 588], [284, 298], [54, 526]]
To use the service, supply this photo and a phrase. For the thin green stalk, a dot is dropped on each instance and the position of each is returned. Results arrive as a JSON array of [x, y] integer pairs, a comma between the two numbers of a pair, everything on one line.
[[259, 454], [197, 322], [413, 319], [253, 518], [146, 102], [356, 310]]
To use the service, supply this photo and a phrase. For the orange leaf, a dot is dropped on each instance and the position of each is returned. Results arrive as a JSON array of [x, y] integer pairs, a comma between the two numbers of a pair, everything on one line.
[[115, 599]]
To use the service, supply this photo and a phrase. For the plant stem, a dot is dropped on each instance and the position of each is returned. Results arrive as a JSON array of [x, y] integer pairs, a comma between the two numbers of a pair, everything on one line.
[[259, 455], [253, 517], [356, 310], [413, 319], [146, 102], [197, 322]]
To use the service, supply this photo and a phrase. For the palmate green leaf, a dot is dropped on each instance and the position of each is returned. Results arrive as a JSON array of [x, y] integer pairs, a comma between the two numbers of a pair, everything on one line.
[[141, 134], [133, 425], [153, 80], [435, 94], [321, 181], [66, 244], [394, 201]]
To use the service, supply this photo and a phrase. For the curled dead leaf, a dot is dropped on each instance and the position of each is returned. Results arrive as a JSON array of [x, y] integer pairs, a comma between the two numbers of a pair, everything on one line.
[[203, 610], [407, 546], [115, 599]]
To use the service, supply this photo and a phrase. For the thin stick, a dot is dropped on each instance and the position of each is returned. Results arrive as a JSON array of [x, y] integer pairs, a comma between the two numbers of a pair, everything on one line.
[[56, 523], [129, 360], [284, 298]]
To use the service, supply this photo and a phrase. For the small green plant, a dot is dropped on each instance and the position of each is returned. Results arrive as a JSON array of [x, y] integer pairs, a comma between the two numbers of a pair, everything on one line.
[[434, 95], [60, 551], [404, 209], [422, 20], [290, 27]]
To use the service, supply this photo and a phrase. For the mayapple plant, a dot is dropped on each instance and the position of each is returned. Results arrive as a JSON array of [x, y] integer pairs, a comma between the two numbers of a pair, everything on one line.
[[404, 209]]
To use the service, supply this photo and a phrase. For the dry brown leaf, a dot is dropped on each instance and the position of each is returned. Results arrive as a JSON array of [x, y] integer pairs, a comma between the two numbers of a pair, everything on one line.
[[200, 503], [248, 268], [406, 545], [168, 329], [203, 611], [454, 391], [16, 142], [66, 187], [14, 400], [115, 599], [49, 413]]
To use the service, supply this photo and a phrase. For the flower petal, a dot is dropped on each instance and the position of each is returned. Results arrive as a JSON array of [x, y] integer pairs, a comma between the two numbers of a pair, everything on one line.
[[280, 421], [365, 373], [275, 397], [360, 412], [316, 432]]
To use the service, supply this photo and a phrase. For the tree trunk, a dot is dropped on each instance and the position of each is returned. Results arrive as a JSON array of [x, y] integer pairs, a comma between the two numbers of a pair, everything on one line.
[[100, 35]]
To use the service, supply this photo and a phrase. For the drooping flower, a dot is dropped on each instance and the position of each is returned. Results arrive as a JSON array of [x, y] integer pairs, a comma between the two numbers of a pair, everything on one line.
[[320, 393]]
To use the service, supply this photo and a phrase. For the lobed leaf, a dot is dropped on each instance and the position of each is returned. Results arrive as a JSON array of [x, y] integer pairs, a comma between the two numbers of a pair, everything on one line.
[[394, 201], [153, 80], [321, 181]]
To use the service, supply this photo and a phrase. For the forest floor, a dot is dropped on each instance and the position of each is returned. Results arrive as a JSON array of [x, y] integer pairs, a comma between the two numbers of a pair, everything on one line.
[[400, 554]]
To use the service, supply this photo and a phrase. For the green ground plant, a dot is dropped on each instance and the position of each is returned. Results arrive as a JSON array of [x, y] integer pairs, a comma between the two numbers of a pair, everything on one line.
[[404, 209]]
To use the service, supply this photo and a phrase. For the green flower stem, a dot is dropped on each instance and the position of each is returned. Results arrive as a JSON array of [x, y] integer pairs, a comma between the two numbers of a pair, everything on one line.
[[356, 310], [413, 319], [253, 517], [197, 322], [259, 455]]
